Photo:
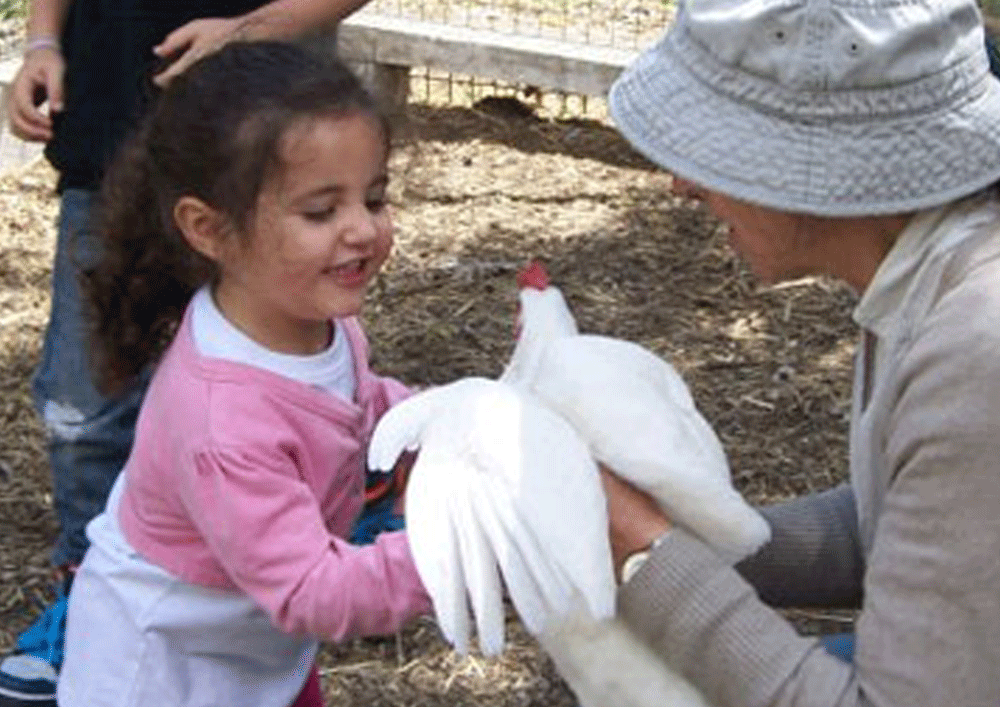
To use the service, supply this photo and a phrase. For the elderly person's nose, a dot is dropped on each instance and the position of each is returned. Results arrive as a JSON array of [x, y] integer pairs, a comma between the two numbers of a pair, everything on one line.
[[685, 189]]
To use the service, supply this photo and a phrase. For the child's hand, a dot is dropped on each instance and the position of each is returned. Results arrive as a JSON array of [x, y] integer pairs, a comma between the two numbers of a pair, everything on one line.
[[401, 472], [190, 42], [39, 79]]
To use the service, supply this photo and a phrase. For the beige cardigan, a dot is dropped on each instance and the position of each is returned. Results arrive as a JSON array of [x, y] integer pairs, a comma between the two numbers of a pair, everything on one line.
[[914, 540]]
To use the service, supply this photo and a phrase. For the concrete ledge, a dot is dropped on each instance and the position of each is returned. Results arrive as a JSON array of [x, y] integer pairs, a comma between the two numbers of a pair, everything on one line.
[[536, 61], [9, 67]]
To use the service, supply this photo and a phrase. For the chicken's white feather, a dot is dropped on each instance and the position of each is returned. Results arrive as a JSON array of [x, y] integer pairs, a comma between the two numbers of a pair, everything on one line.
[[567, 512], [433, 542], [535, 581], [638, 416], [607, 666], [401, 428], [479, 565], [513, 546], [498, 458]]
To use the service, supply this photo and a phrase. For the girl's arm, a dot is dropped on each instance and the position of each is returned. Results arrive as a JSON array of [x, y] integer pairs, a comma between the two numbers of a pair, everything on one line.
[[263, 523], [276, 20]]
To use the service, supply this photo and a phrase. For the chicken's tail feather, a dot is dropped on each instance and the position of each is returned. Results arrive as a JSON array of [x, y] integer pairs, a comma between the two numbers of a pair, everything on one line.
[[436, 553]]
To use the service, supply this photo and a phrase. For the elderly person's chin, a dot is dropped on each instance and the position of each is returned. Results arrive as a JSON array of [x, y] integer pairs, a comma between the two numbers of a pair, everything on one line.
[[771, 262], [779, 246], [769, 273], [782, 248]]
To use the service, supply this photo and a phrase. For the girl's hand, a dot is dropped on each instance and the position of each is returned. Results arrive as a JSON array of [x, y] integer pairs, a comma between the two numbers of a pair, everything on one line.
[[635, 519], [190, 42], [401, 472], [39, 79]]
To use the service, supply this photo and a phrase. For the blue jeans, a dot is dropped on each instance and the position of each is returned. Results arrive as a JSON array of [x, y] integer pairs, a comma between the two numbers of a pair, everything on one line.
[[89, 435]]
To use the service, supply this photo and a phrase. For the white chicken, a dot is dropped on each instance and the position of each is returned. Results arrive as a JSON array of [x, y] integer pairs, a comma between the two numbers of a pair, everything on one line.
[[638, 417], [636, 414], [503, 480]]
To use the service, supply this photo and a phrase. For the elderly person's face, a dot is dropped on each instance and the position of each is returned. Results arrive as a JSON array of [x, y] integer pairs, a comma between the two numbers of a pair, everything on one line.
[[779, 245], [775, 244]]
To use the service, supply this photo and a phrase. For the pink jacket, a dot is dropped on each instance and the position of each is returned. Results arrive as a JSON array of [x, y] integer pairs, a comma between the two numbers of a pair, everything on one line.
[[245, 480]]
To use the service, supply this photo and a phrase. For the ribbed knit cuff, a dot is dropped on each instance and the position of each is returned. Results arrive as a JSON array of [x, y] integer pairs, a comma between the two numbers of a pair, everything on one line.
[[680, 588], [708, 624]]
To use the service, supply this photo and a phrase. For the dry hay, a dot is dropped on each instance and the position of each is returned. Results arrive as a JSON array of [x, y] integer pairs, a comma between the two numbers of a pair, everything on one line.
[[475, 195], [27, 211]]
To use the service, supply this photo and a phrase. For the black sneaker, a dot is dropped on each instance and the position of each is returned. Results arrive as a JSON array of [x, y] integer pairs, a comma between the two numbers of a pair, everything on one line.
[[26, 679], [28, 675]]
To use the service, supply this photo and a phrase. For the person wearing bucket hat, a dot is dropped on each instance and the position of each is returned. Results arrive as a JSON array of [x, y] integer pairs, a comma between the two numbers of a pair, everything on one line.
[[856, 139]]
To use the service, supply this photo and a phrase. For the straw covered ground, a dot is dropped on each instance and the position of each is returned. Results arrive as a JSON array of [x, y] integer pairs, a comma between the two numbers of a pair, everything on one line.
[[476, 193]]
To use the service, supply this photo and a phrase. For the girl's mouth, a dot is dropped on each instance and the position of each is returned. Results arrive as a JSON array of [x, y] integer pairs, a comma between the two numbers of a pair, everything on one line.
[[353, 273]]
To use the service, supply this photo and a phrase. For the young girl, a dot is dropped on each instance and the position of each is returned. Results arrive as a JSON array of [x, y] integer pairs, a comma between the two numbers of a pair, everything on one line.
[[243, 225]]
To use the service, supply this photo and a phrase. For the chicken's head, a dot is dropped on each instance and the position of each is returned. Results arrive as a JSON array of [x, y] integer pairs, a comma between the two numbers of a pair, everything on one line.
[[534, 275], [542, 309], [542, 316]]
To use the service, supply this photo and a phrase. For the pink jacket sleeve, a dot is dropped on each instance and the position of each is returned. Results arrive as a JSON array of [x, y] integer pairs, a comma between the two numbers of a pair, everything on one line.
[[389, 393], [379, 392], [264, 524], [392, 392]]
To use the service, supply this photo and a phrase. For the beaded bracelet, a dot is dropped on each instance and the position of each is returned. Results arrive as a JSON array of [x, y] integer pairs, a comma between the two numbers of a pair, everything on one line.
[[35, 43]]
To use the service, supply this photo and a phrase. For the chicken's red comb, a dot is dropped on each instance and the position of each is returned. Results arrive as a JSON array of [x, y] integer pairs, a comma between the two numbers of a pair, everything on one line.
[[534, 275]]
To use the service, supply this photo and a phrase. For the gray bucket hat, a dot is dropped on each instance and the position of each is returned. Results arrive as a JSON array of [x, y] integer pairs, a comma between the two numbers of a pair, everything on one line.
[[828, 107]]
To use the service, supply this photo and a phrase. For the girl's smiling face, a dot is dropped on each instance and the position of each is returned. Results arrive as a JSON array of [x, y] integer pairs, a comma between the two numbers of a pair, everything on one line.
[[320, 232]]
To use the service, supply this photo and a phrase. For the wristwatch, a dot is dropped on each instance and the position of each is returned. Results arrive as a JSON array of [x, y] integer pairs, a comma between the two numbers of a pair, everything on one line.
[[637, 559]]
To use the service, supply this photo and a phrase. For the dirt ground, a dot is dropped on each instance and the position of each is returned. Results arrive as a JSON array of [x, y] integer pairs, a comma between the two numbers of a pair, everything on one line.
[[476, 193]]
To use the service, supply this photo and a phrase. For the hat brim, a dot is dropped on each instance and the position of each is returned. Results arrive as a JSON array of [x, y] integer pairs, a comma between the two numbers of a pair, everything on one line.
[[820, 165]]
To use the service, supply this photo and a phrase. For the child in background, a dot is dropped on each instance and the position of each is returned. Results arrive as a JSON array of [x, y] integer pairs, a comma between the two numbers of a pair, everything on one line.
[[242, 224]]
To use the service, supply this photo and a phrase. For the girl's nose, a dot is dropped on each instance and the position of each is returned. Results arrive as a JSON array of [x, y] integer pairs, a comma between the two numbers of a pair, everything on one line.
[[685, 189], [364, 226]]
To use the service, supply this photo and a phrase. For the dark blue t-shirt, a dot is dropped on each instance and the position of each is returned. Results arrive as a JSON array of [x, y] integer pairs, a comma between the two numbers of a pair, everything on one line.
[[108, 47]]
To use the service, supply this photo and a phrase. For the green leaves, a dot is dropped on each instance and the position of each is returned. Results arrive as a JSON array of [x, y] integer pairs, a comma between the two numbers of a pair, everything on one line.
[[10, 9]]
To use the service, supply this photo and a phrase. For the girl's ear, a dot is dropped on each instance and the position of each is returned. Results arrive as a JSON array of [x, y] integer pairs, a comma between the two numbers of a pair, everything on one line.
[[202, 226]]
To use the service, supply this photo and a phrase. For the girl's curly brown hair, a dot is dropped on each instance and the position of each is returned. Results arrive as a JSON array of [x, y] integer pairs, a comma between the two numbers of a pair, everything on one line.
[[213, 134]]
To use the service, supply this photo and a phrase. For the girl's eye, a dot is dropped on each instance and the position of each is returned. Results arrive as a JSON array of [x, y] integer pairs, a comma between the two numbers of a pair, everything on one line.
[[319, 215], [376, 198]]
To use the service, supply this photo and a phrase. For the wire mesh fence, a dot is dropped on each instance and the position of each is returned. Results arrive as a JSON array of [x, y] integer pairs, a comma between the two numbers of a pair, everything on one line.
[[445, 89], [621, 24], [439, 88], [617, 24]]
